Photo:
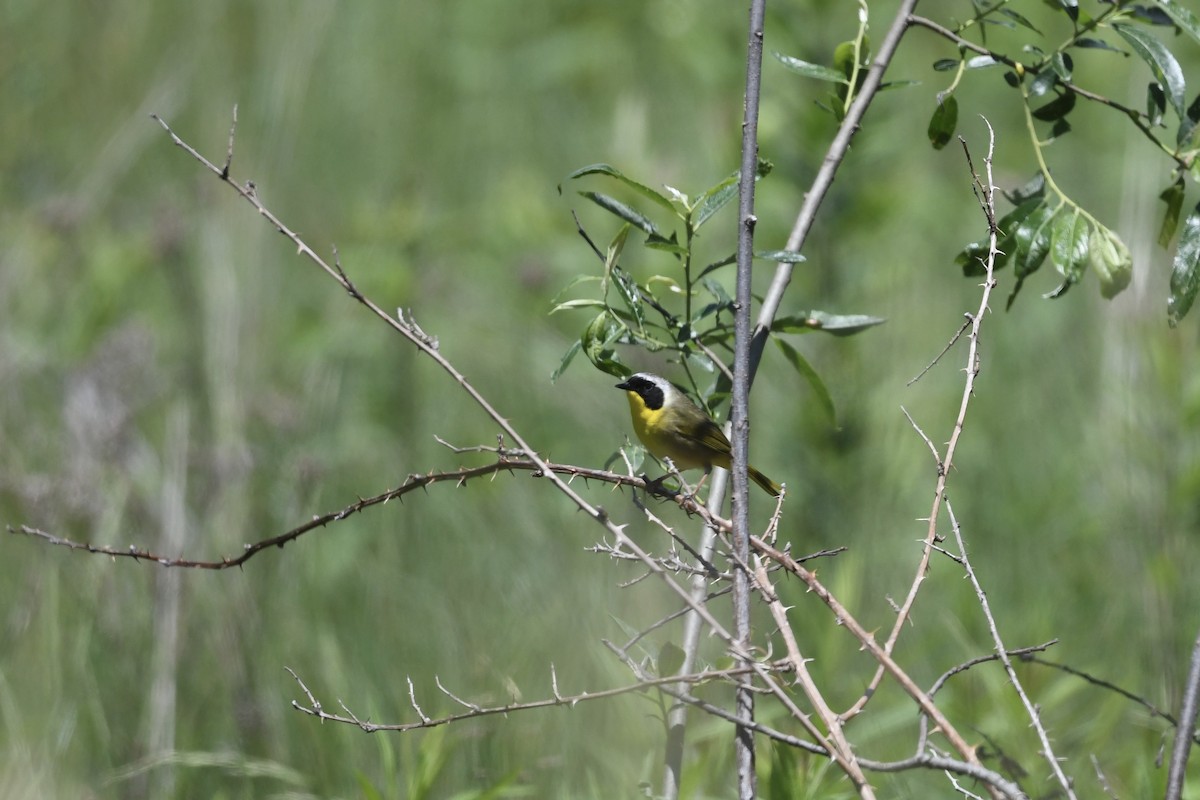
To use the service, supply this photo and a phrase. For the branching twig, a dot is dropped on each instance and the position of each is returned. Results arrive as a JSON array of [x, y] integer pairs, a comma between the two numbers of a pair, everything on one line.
[[1035, 716], [985, 192]]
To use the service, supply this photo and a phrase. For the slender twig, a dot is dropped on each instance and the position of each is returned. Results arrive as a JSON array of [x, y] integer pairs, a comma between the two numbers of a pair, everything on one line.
[[835, 742], [455, 477], [985, 192], [1031, 710], [957, 335], [1187, 725], [313, 707]]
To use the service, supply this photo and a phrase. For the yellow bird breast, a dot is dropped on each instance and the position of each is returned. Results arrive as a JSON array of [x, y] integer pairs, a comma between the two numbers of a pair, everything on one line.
[[662, 439]]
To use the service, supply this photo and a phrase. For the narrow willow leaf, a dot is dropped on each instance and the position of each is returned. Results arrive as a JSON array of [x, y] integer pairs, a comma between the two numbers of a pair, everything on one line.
[[614, 249], [613, 172], [1069, 246], [781, 256], [714, 200], [801, 365], [943, 122], [671, 245], [1087, 42], [1173, 197], [808, 70], [1188, 22], [631, 296], [623, 211], [945, 64], [583, 302], [837, 324], [718, 292], [1185, 273], [566, 360], [1162, 63], [1020, 20], [724, 262]]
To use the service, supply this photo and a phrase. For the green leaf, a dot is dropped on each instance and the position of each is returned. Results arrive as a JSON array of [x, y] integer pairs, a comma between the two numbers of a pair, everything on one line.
[[946, 64], [1162, 63], [781, 256], [1188, 22], [724, 262], [1034, 187], [1156, 103], [1110, 260], [670, 659], [718, 292], [1173, 197], [1188, 125], [631, 296], [808, 70], [1185, 274], [837, 324], [1057, 108], [943, 122], [613, 172], [981, 62], [1032, 240], [801, 365], [843, 57], [613, 255], [1062, 65], [973, 257], [566, 360], [1044, 81], [714, 199], [623, 211], [583, 302], [597, 344], [671, 245], [1020, 20], [1069, 246], [1087, 42]]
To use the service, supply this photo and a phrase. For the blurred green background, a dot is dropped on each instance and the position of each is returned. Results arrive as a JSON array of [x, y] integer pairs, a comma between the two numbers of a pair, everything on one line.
[[173, 377]]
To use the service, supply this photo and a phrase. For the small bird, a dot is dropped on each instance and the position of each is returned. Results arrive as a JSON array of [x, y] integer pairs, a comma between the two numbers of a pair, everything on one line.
[[671, 426]]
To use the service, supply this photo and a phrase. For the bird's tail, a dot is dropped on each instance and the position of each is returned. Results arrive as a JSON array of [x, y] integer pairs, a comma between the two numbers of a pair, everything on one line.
[[769, 486]]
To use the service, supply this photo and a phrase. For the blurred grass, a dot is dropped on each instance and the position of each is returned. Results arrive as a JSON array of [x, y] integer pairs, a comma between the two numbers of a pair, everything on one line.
[[427, 142]]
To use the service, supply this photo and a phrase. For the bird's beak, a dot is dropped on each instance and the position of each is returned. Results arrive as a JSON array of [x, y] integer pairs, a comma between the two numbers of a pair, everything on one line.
[[623, 385]]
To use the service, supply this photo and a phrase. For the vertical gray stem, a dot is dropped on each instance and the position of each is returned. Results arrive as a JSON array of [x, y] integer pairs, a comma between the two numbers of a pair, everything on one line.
[[1185, 728], [739, 408]]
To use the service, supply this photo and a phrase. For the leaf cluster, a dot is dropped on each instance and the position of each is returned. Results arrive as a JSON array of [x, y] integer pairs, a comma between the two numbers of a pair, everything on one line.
[[1045, 222], [683, 311]]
